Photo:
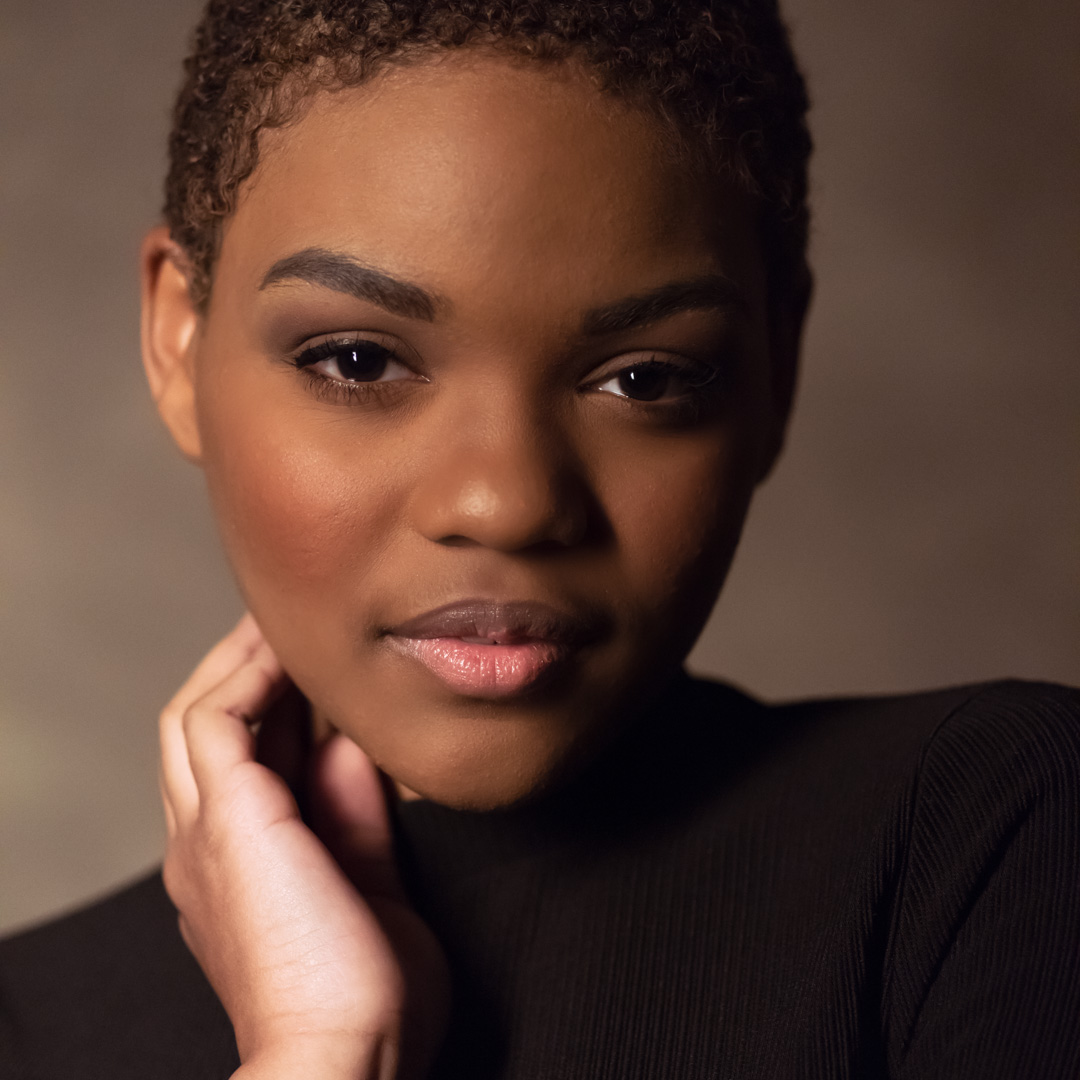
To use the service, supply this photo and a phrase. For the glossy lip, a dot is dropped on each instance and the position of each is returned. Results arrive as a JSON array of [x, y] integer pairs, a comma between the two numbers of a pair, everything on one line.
[[488, 649]]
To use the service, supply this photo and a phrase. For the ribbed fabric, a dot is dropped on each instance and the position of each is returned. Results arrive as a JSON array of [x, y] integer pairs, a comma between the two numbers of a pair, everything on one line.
[[848, 889]]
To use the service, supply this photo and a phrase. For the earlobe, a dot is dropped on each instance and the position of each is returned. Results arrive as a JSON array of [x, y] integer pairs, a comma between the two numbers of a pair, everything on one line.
[[170, 324]]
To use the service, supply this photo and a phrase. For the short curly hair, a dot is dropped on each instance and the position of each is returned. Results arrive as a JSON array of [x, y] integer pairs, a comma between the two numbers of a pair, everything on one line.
[[721, 74]]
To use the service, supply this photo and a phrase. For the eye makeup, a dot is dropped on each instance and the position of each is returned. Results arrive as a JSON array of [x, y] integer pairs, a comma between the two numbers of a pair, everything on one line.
[[665, 388], [352, 369]]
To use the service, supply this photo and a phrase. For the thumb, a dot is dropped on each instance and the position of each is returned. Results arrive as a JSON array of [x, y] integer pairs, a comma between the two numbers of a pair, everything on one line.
[[349, 814]]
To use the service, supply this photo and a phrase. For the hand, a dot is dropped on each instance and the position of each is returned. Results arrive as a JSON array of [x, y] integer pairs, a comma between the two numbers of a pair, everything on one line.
[[318, 958]]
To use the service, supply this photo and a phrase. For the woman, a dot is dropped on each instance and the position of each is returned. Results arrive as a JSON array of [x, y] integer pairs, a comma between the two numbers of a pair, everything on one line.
[[482, 321]]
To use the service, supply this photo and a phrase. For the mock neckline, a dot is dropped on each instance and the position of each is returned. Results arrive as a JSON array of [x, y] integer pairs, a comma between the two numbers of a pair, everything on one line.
[[663, 760]]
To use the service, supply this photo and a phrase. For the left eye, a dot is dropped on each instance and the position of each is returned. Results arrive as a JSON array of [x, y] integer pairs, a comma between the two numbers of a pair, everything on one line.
[[354, 362], [652, 380]]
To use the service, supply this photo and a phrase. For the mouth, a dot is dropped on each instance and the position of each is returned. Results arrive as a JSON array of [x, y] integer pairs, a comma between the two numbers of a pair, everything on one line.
[[481, 648]]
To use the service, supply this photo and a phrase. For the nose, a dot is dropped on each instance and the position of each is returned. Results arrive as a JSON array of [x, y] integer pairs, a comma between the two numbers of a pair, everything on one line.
[[508, 483]]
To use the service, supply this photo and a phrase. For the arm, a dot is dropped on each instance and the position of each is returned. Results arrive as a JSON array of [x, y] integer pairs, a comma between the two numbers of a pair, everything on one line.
[[323, 972], [373, 1061]]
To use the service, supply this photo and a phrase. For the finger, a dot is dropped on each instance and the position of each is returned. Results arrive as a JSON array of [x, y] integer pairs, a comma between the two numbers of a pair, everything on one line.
[[217, 728], [177, 784], [227, 655], [179, 789], [350, 816], [171, 826], [283, 742]]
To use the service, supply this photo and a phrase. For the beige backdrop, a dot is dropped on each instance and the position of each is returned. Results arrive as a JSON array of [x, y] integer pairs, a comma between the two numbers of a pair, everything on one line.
[[923, 528]]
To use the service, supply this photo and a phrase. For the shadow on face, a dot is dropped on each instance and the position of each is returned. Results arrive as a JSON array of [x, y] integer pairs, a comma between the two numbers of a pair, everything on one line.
[[482, 392]]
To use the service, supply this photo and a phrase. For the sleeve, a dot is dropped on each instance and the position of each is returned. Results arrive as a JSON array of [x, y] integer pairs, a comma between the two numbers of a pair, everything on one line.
[[983, 975]]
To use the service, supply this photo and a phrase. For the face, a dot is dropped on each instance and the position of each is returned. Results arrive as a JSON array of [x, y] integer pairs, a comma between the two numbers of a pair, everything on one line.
[[482, 392]]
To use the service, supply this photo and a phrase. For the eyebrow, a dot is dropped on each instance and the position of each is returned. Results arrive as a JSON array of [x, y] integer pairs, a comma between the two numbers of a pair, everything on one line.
[[344, 274], [699, 293]]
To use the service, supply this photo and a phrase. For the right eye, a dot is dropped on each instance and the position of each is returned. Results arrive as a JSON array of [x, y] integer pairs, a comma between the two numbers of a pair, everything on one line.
[[353, 361]]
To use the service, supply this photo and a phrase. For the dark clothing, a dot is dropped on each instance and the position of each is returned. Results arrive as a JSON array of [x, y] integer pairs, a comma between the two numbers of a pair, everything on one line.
[[849, 889]]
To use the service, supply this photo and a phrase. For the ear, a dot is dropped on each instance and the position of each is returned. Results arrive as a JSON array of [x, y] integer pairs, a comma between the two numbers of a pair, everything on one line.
[[170, 323], [787, 316]]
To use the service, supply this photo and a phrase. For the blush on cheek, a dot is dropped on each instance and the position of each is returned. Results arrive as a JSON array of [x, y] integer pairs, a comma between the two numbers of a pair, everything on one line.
[[300, 530]]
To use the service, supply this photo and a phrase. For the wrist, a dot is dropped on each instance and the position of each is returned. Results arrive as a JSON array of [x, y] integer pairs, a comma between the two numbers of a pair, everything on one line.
[[325, 1057]]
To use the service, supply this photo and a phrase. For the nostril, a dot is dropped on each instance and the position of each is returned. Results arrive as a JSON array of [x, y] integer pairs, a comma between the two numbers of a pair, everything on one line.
[[456, 541]]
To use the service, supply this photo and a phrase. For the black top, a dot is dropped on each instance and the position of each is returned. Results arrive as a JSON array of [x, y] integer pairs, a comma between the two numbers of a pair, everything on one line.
[[876, 888]]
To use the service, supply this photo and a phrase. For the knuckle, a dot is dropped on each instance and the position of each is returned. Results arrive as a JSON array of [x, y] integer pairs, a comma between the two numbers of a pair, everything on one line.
[[185, 932], [172, 877], [196, 721], [191, 718], [169, 717]]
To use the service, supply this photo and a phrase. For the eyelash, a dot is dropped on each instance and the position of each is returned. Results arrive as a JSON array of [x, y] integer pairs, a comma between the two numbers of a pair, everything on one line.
[[705, 381], [339, 391], [703, 384]]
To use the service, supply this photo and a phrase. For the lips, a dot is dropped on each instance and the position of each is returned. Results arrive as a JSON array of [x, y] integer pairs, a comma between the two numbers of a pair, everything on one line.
[[482, 648]]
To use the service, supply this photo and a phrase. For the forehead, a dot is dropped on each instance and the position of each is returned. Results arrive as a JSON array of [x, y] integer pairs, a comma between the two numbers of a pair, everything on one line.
[[479, 176]]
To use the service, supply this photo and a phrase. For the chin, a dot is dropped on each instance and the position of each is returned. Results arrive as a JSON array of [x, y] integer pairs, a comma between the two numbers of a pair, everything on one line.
[[487, 794], [483, 763]]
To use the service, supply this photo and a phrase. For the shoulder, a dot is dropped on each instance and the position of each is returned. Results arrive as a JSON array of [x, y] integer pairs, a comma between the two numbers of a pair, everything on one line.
[[1006, 745], [999, 739], [960, 810], [991, 780], [996, 799], [110, 990], [139, 911], [986, 920], [907, 776], [1027, 731]]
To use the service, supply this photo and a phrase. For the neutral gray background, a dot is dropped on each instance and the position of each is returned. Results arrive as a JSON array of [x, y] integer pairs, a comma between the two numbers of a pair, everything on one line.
[[924, 527]]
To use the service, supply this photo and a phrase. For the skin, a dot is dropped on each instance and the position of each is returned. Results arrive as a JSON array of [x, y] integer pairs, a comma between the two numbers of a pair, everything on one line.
[[501, 461], [319, 960]]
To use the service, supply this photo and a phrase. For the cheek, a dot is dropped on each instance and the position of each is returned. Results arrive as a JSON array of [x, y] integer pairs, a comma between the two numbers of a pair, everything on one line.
[[302, 519], [677, 515]]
